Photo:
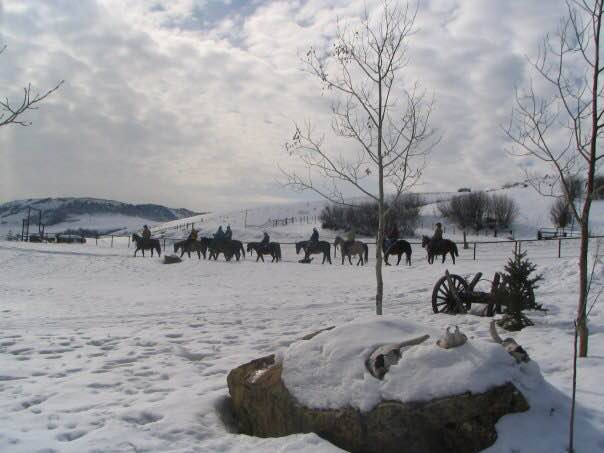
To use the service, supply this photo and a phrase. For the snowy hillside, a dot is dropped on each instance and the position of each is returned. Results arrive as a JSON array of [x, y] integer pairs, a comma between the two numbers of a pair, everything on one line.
[[60, 214], [248, 224]]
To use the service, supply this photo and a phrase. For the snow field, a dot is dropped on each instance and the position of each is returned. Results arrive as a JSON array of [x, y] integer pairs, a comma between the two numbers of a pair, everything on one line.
[[100, 351]]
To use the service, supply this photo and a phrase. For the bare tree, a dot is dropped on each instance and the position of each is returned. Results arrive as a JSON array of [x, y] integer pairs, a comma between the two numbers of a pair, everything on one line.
[[11, 112], [560, 213], [466, 211], [503, 209], [387, 122], [571, 66]]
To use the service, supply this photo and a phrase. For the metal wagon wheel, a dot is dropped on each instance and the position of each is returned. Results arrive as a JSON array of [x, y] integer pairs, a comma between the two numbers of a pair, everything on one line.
[[443, 300]]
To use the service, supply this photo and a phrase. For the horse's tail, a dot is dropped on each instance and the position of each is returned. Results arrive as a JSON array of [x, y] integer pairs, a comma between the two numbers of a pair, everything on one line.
[[366, 247], [242, 250], [455, 249], [158, 248], [278, 252], [335, 249]]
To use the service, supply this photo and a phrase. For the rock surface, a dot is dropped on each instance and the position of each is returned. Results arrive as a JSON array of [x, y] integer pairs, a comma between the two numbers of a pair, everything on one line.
[[463, 423]]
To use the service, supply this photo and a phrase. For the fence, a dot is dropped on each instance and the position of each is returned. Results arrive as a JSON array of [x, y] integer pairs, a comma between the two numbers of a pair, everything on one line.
[[562, 246]]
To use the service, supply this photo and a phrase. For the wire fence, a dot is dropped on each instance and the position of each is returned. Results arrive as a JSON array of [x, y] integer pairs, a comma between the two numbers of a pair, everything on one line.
[[476, 250]]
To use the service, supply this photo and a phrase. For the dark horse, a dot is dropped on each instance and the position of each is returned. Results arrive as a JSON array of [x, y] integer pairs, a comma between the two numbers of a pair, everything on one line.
[[323, 247], [149, 244], [349, 248], [188, 246], [227, 247], [398, 247], [442, 247], [273, 249]]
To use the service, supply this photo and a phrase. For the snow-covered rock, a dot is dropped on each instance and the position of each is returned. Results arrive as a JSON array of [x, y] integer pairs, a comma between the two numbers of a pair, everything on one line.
[[433, 400]]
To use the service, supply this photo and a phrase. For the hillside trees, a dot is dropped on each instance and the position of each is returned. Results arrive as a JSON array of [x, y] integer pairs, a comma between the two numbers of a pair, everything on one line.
[[384, 120], [479, 210]]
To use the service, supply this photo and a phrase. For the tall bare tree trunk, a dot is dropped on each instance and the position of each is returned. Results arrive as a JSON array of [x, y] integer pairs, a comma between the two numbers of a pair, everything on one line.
[[378, 253], [582, 307]]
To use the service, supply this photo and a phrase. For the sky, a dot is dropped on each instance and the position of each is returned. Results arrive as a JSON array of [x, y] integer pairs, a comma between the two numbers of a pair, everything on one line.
[[188, 103]]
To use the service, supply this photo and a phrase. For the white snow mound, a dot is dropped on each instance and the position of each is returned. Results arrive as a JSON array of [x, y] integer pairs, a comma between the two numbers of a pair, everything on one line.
[[328, 371]]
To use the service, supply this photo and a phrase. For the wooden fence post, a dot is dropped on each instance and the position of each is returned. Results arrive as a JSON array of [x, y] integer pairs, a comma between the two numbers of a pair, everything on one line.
[[128, 241], [559, 248], [164, 245], [112, 241], [474, 251]]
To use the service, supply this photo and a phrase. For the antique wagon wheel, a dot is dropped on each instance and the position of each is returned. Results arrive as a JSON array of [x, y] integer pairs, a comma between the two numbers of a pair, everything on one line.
[[443, 300]]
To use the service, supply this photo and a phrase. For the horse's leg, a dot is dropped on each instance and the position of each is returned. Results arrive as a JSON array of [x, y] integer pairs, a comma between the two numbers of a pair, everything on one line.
[[408, 258], [343, 257], [453, 256], [386, 259], [399, 259], [349, 259]]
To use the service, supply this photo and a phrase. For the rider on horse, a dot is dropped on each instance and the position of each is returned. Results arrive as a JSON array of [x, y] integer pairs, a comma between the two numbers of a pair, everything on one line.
[[219, 235], [228, 234], [146, 234], [192, 235], [314, 238], [266, 239], [438, 233], [351, 235], [391, 236]]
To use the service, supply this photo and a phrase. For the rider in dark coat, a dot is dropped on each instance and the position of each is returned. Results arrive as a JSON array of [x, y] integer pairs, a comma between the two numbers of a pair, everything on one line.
[[438, 233], [219, 235], [228, 234], [266, 239], [314, 238]]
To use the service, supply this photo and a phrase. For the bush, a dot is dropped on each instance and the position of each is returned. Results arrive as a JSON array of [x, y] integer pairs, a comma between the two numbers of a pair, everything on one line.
[[466, 211], [518, 285], [404, 212], [560, 213], [503, 210]]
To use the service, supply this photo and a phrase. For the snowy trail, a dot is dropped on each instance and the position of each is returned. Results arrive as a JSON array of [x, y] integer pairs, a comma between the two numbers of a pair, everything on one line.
[[99, 350]]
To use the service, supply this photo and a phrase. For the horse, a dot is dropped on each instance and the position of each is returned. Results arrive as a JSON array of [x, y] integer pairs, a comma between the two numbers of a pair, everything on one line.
[[189, 245], [146, 244], [238, 247], [349, 248], [323, 247], [443, 247], [273, 249], [398, 247], [224, 246]]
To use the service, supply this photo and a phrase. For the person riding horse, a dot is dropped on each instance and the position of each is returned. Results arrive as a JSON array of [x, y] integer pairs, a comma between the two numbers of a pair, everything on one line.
[[391, 237], [351, 235], [219, 235], [146, 234], [228, 234], [437, 237], [266, 239], [314, 238], [192, 235]]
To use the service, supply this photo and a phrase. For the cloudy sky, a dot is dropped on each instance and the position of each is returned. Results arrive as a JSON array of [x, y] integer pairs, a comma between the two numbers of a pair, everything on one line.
[[188, 102]]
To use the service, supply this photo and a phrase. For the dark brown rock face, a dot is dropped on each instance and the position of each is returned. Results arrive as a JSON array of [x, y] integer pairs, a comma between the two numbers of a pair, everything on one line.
[[461, 423]]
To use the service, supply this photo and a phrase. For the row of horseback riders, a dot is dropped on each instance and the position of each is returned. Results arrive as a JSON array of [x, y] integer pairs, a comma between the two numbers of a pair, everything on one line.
[[222, 242]]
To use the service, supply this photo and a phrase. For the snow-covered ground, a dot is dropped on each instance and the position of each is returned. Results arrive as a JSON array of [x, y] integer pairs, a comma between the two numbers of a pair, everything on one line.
[[100, 351]]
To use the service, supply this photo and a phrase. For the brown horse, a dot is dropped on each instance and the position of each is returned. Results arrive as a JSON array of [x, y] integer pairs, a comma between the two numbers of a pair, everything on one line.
[[441, 247], [309, 248], [349, 248], [188, 246], [146, 244], [273, 249]]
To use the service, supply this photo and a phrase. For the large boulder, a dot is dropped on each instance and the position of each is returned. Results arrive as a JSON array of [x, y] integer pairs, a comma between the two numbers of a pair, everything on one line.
[[458, 423]]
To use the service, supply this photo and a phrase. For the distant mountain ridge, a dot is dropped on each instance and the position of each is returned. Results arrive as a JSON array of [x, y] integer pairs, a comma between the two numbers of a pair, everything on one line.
[[60, 210]]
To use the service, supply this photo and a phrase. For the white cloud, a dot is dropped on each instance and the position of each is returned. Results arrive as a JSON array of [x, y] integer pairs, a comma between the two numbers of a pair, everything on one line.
[[188, 102]]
